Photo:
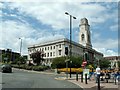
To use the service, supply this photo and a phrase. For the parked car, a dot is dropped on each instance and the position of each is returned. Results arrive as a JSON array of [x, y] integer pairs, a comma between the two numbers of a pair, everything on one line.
[[6, 68]]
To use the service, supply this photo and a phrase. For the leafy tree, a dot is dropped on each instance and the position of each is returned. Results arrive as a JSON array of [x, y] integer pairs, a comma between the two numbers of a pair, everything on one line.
[[22, 60], [104, 63], [76, 62], [3, 57], [16, 59], [37, 57], [59, 62]]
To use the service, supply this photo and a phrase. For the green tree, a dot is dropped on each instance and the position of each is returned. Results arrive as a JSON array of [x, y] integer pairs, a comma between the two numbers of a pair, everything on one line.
[[104, 63], [22, 60], [37, 57], [76, 62], [59, 62], [16, 59], [3, 57]]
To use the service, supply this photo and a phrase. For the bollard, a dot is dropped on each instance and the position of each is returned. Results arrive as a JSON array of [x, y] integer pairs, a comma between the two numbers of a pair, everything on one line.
[[76, 76], [115, 81], [85, 78], [82, 77], [70, 71], [98, 79], [106, 80]]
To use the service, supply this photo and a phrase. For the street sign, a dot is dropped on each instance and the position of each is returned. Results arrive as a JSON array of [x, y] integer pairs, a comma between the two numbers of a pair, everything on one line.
[[84, 63], [67, 60]]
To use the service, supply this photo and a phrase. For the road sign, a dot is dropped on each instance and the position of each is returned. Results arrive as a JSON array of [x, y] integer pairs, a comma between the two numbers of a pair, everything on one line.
[[67, 60], [84, 63]]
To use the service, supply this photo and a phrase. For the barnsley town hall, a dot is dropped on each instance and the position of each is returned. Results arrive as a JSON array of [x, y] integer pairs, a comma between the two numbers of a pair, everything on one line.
[[56, 48]]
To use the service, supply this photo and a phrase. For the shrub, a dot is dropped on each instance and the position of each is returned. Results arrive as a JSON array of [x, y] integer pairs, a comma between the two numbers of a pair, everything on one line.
[[15, 65], [29, 67], [73, 70], [38, 68], [60, 62], [23, 66]]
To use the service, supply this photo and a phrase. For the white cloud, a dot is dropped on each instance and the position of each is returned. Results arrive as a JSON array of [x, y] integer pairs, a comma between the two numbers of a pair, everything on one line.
[[114, 28], [52, 13], [11, 31], [109, 46], [96, 35], [60, 0], [107, 52], [108, 43]]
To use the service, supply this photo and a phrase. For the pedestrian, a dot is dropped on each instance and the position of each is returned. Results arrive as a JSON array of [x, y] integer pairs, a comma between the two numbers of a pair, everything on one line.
[[118, 75], [90, 74], [107, 76], [98, 70], [102, 74]]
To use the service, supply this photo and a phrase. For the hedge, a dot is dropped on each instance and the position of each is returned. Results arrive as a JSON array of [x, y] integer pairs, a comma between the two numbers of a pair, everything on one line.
[[27, 67]]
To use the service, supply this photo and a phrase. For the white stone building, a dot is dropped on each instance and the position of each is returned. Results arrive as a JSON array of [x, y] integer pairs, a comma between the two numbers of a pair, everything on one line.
[[56, 48], [114, 61]]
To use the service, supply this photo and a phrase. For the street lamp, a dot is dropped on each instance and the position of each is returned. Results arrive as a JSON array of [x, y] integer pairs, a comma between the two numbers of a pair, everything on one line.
[[20, 46], [70, 36]]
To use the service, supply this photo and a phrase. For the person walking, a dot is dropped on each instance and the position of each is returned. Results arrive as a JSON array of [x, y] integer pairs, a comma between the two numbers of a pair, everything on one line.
[[98, 70], [91, 74]]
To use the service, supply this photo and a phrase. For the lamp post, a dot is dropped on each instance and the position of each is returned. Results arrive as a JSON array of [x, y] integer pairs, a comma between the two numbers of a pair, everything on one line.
[[20, 46], [70, 36]]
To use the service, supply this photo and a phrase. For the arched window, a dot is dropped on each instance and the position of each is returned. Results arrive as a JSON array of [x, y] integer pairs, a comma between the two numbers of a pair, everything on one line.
[[82, 37]]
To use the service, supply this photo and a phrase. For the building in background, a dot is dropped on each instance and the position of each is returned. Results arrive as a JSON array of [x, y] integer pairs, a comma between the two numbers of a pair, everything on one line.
[[56, 48], [8, 55], [114, 61]]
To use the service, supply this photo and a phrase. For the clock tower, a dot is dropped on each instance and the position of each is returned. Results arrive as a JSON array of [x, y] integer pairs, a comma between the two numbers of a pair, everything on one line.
[[84, 35]]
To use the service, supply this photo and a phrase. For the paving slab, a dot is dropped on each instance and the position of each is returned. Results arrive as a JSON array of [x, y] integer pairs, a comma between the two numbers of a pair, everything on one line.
[[92, 85]]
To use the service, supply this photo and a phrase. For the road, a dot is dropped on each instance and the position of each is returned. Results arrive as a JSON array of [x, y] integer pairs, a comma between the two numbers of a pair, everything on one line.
[[23, 79]]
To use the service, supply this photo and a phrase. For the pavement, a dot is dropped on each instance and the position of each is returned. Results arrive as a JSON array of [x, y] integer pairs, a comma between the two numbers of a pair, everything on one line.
[[91, 85]]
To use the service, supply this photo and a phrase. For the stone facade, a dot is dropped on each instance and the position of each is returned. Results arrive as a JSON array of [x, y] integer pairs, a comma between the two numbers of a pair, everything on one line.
[[53, 49], [84, 35], [114, 61]]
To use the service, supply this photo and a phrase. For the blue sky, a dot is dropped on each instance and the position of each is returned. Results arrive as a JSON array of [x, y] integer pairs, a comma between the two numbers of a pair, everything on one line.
[[36, 22]]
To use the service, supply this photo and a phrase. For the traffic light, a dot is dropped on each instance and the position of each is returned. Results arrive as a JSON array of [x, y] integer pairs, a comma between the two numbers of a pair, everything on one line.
[[66, 50]]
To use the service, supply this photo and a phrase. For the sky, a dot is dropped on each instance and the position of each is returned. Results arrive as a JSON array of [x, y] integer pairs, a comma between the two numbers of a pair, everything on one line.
[[41, 20]]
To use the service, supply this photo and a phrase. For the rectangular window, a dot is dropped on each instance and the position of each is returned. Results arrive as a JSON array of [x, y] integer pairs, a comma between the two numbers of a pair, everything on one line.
[[54, 47], [48, 48], [51, 54], [47, 54], [59, 52], [45, 48], [51, 47], [42, 49], [59, 45]]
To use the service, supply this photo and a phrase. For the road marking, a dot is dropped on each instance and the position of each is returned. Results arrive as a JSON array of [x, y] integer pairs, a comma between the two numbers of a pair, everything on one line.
[[60, 78]]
